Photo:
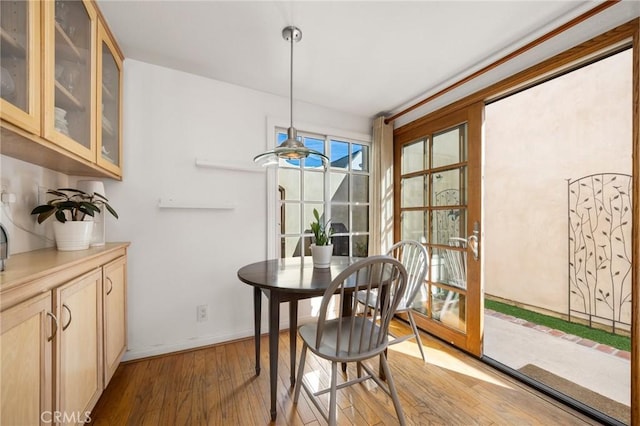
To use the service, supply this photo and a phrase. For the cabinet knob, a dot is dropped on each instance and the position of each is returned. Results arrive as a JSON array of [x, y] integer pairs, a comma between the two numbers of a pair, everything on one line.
[[111, 287]]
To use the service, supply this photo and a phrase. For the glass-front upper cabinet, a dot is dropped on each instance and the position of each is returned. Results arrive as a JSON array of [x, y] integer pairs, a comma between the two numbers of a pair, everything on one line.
[[109, 152], [69, 75], [20, 63]]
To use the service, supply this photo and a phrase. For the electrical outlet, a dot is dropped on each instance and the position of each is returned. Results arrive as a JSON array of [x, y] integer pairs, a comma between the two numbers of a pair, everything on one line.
[[202, 313], [8, 197], [42, 195]]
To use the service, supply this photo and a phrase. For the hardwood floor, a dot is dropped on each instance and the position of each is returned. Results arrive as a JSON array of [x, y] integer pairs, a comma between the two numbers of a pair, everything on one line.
[[217, 386]]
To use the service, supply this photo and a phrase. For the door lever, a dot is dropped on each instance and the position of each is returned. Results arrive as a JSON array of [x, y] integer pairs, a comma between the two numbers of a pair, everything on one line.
[[473, 241]]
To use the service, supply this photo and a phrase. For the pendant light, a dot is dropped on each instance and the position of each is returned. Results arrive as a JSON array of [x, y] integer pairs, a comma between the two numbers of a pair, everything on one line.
[[292, 148]]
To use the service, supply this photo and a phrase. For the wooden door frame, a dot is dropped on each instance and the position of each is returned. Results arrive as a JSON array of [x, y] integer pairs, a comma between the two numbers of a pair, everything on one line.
[[471, 339], [626, 34]]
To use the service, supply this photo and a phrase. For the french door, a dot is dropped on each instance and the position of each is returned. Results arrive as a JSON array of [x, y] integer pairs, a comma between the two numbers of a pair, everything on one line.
[[437, 166]]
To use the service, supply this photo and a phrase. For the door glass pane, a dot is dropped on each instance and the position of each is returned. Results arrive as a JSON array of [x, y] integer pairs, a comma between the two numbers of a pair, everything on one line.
[[14, 72], [446, 147], [448, 307], [360, 188], [340, 187], [73, 71], [447, 224], [421, 302], [414, 157], [110, 107], [453, 265], [414, 225], [413, 192], [313, 186], [448, 188], [289, 181]]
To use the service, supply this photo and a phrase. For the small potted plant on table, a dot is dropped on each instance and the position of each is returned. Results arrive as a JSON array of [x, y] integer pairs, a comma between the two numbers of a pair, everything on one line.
[[70, 208], [321, 248]]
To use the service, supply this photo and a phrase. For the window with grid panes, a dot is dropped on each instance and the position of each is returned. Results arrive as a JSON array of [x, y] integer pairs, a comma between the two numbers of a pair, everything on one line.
[[341, 193]]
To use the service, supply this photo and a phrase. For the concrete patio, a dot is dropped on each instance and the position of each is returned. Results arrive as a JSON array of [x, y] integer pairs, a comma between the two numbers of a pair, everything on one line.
[[600, 368]]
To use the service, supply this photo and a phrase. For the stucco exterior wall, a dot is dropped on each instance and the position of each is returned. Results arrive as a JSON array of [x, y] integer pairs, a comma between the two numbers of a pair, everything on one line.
[[575, 125]]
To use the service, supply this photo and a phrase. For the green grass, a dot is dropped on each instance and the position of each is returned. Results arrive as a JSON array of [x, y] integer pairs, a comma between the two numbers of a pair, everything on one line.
[[600, 336]]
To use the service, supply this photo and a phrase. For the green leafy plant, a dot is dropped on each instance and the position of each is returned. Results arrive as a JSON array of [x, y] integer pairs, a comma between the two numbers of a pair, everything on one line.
[[322, 232], [76, 203]]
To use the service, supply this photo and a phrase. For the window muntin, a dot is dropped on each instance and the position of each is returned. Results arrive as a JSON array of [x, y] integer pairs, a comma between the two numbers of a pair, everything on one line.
[[342, 194]]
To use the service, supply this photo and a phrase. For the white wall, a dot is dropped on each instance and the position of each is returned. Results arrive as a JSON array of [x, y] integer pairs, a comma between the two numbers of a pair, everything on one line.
[[179, 259], [28, 182]]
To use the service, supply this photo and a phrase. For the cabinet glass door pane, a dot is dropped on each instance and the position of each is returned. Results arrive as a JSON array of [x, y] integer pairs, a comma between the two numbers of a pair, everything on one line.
[[14, 70], [73, 71], [110, 107]]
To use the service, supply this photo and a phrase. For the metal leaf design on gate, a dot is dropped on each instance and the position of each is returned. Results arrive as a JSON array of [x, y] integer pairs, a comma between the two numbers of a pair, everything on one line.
[[600, 249], [447, 221]]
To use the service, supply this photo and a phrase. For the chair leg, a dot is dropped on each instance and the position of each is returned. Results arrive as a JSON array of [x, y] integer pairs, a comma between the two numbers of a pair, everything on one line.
[[333, 403], [417, 334], [392, 389], [296, 391], [359, 369]]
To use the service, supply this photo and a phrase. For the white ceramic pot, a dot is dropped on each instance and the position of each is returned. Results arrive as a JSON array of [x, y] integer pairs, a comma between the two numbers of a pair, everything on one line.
[[73, 235], [321, 255]]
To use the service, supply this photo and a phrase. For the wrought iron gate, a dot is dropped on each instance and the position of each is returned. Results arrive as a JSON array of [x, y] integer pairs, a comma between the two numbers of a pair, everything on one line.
[[599, 247]]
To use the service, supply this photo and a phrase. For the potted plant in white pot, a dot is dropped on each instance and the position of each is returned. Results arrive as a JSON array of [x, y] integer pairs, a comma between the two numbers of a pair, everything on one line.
[[321, 248], [70, 208]]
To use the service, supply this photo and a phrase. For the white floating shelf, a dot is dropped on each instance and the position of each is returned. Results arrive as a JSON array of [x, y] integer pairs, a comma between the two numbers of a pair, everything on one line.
[[211, 165], [181, 204]]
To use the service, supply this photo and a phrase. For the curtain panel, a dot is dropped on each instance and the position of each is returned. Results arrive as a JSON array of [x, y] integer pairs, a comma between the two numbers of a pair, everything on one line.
[[381, 230]]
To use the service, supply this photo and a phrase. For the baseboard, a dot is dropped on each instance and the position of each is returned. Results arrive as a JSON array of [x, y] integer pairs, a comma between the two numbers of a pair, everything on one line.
[[197, 342], [165, 349]]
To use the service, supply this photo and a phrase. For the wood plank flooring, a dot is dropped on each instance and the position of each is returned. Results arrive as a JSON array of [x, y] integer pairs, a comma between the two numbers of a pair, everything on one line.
[[217, 386]]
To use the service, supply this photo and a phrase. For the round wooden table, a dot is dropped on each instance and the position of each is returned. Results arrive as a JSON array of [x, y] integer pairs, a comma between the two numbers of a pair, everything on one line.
[[285, 280]]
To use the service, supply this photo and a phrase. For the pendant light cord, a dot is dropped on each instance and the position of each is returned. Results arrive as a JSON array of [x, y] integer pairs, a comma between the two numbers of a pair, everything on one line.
[[291, 82]]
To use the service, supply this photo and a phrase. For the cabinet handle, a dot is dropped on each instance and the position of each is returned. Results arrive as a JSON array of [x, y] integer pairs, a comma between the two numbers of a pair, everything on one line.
[[64, 327], [110, 288], [54, 330]]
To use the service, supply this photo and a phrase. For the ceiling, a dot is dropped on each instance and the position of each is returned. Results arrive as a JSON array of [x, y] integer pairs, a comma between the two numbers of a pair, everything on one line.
[[360, 57]]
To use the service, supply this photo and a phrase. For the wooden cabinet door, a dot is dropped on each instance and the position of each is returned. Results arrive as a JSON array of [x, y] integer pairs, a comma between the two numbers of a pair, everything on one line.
[[70, 75], [115, 311], [20, 45], [78, 356], [25, 380], [109, 95]]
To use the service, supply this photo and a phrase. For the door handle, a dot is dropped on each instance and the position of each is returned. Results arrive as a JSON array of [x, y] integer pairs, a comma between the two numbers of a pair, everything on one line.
[[54, 329], [65, 326], [111, 287], [473, 241]]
